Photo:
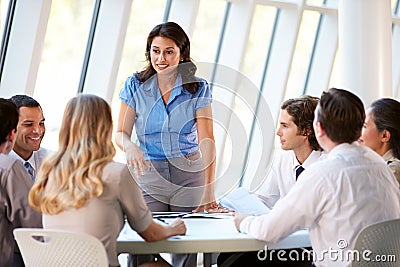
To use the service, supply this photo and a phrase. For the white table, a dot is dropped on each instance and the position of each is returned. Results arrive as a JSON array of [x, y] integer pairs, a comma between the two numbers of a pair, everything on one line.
[[206, 236]]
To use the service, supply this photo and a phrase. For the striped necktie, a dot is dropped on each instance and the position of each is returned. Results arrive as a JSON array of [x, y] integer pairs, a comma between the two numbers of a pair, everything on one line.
[[30, 170], [299, 170]]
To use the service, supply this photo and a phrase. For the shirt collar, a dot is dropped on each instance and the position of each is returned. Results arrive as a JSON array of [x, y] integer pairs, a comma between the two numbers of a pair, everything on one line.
[[31, 160], [151, 87], [339, 149], [313, 157], [388, 156], [294, 161], [151, 84]]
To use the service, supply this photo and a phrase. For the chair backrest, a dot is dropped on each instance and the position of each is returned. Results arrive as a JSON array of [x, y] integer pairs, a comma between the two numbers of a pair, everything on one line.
[[41, 247], [383, 241]]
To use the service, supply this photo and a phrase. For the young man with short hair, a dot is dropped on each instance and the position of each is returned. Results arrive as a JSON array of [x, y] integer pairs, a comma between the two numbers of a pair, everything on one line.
[[300, 151], [299, 145]]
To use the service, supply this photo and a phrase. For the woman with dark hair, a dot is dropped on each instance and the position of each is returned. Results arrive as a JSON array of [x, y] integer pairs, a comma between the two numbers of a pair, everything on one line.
[[381, 132], [174, 155]]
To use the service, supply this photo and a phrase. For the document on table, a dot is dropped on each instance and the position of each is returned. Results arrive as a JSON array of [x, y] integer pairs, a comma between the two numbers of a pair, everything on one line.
[[241, 200], [188, 215]]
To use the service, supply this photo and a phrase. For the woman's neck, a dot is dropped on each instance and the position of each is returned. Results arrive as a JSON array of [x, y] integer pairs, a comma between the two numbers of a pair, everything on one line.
[[166, 81]]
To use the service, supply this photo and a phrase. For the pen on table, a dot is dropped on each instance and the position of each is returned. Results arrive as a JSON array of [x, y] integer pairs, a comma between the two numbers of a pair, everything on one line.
[[161, 220]]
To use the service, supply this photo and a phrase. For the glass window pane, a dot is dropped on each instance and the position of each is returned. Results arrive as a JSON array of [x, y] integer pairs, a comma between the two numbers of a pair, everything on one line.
[[61, 62], [139, 26], [254, 62], [315, 2], [335, 80], [133, 55], [302, 54], [253, 67], [207, 30], [259, 43], [394, 5], [245, 100], [3, 14]]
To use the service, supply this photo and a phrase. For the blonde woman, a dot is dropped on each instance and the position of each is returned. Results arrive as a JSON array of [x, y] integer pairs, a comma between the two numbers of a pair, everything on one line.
[[80, 188]]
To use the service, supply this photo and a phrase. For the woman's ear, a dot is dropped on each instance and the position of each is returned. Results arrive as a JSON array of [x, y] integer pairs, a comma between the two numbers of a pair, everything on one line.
[[386, 136]]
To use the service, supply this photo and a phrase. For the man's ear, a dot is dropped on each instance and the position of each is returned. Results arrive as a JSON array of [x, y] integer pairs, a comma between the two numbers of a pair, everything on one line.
[[319, 129], [11, 136], [386, 136], [306, 132]]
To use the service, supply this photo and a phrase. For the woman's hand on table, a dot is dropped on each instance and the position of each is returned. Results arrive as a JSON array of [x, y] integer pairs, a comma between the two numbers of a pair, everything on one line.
[[214, 207]]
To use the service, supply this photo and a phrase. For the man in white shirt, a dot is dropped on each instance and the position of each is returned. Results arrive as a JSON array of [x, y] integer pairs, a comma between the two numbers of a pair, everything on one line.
[[299, 145], [300, 151], [30, 132], [338, 196]]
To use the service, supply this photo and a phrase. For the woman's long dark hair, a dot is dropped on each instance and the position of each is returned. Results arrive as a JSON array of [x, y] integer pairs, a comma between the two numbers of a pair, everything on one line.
[[186, 67]]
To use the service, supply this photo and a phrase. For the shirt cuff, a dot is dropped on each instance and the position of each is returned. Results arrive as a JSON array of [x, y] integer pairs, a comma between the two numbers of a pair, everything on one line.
[[245, 224]]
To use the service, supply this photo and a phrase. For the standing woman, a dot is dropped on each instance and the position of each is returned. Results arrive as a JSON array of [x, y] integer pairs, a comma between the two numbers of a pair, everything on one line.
[[171, 111], [381, 132], [80, 188], [174, 154]]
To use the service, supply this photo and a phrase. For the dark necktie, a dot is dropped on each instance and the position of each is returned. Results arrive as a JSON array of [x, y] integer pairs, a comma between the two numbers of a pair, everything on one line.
[[29, 168], [299, 170]]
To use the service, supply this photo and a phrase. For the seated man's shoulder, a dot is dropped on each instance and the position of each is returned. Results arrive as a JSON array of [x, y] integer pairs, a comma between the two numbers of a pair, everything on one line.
[[43, 152], [7, 162], [10, 165]]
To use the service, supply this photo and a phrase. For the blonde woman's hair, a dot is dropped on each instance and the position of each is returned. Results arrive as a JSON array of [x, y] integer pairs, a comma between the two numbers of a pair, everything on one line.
[[72, 175]]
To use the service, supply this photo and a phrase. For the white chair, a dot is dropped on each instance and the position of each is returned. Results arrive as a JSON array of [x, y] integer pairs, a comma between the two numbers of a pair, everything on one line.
[[383, 240], [50, 248]]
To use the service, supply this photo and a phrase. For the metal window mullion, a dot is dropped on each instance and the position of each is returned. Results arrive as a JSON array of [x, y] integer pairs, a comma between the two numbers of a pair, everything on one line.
[[308, 74], [396, 8], [6, 34], [167, 10], [89, 45], [220, 41], [264, 74]]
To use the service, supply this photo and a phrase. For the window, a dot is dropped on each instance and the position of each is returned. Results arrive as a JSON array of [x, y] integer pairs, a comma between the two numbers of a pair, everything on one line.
[[133, 55], [61, 62], [302, 54], [207, 30], [3, 13]]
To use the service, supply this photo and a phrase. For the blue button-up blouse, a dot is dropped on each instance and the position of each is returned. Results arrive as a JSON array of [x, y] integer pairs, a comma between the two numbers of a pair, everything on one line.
[[165, 131]]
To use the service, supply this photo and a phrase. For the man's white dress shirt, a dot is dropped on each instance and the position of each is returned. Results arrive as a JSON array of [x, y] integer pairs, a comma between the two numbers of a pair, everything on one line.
[[351, 188], [282, 175]]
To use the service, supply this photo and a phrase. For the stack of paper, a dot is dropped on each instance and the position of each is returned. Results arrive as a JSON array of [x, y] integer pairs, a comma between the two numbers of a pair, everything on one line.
[[241, 200]]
